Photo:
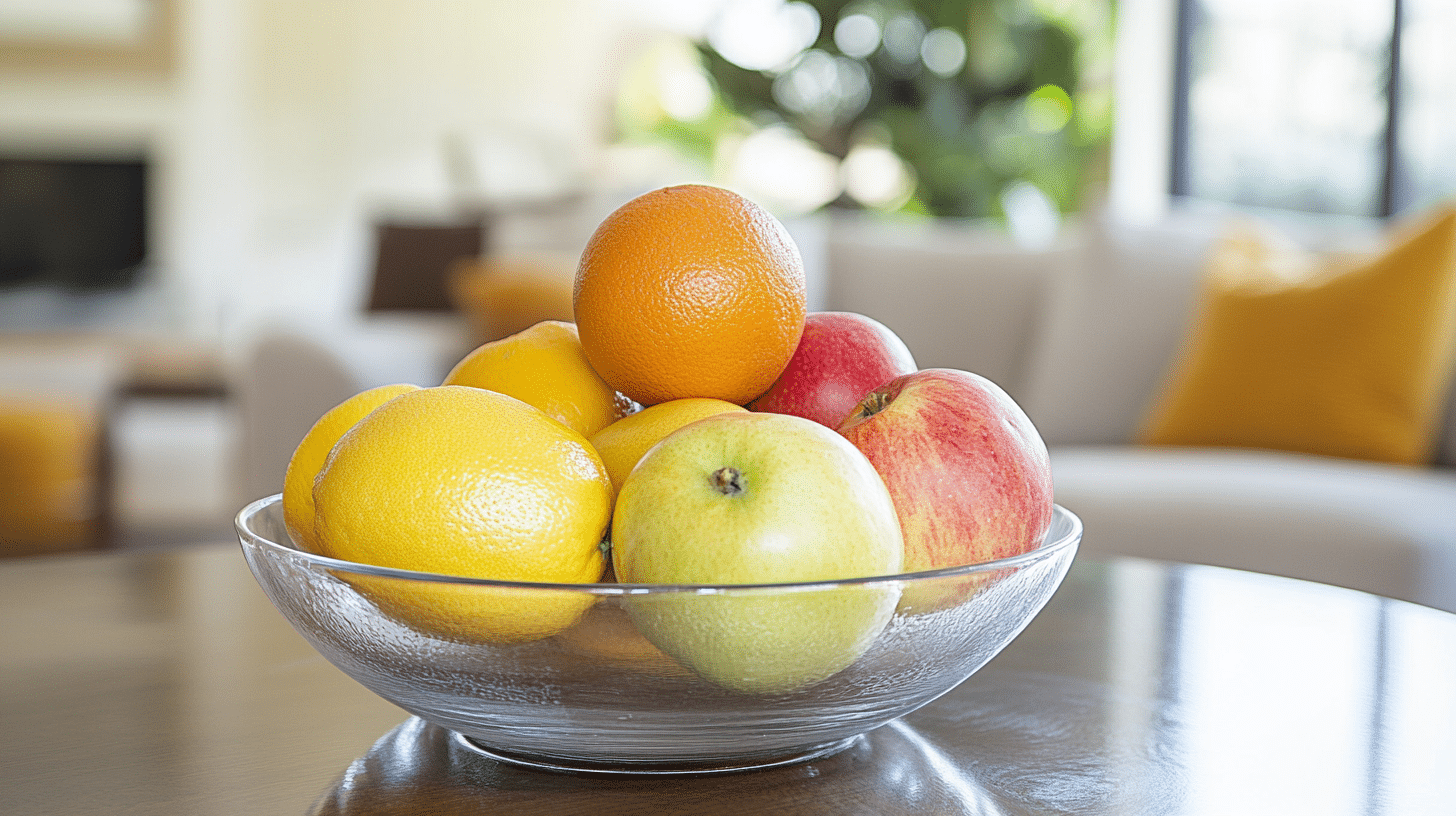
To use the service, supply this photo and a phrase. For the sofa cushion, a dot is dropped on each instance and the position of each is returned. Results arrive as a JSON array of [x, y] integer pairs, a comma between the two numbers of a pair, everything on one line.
[[1334, 356], [1115, 312], [1386, 529], [960, 296], [56, 392], [51, 464], [1446, 448]]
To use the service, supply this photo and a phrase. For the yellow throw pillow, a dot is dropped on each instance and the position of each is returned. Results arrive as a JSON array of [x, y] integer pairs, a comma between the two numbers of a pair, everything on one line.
[[1334, 356]]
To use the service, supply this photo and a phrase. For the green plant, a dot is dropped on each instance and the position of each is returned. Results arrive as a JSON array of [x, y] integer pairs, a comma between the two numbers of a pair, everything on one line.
[[974, 97]]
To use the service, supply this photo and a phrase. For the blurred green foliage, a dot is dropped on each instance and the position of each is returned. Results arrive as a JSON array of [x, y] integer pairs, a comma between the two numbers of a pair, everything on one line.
[[1021, 94]]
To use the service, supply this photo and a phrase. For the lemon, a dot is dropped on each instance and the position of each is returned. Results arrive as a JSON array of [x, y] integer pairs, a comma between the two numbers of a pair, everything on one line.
[[623, 443], [308, 458], [545, 367], [467, 482]]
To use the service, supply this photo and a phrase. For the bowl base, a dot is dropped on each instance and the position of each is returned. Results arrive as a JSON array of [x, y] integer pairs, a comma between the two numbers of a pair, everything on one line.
[[572, 765]]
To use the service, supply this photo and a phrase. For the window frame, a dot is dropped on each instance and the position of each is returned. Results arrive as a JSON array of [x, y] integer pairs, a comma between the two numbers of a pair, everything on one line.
[[1395, 193]]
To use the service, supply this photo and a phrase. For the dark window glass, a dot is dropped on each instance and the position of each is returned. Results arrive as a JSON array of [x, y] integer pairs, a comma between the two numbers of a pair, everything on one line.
[[1325, 106]]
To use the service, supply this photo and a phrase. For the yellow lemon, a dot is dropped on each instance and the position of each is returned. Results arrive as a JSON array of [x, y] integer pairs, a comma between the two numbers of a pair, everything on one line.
[[623, 443], [545, 367], [308, 457], [467, 482]]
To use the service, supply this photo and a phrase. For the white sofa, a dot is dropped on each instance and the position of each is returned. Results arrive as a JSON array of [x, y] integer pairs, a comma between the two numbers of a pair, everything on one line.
[[1081, 334]]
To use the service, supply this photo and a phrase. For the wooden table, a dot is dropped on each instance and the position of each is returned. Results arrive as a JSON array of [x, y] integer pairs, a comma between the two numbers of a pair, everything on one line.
[[165, 684]]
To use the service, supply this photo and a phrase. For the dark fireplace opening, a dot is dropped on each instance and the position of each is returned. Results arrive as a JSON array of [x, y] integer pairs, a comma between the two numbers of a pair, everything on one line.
[[73, 224]]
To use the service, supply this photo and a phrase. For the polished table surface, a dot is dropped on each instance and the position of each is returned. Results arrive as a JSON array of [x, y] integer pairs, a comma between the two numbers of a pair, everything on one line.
[[165, 683]]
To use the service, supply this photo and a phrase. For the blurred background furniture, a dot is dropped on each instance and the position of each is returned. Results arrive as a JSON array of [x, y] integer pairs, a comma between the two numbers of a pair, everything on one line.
[[54, 468], [499, 295], [56, 398], [412, 263], [280, 389]]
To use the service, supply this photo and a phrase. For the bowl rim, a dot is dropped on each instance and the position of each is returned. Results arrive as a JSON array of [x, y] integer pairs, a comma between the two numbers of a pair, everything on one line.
[[1048, 549]]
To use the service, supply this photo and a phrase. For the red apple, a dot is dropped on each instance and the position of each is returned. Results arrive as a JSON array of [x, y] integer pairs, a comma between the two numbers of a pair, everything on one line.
[[842, 356], [968, 472]]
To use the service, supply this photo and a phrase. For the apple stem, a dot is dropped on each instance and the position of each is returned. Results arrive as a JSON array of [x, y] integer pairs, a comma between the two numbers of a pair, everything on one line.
[[727, 481], [873, 403]]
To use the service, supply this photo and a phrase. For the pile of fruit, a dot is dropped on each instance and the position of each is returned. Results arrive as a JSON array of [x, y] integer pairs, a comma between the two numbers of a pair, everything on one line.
[[695, 425]]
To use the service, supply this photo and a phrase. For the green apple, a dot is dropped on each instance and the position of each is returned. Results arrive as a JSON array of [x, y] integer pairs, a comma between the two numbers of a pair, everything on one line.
[[744, 498]]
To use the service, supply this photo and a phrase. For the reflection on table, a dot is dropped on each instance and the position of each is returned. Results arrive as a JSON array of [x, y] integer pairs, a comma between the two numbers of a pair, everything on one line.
[[165, 683]]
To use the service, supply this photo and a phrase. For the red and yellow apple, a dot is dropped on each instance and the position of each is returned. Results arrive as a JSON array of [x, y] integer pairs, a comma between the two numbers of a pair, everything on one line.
[[841, 357], [968, 472]]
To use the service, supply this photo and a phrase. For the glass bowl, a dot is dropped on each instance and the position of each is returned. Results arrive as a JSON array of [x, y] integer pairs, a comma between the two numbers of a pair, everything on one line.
[[763, 675]]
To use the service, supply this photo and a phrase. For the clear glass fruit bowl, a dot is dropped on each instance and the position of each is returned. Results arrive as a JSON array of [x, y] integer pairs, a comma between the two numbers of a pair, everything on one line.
[[763, 675]]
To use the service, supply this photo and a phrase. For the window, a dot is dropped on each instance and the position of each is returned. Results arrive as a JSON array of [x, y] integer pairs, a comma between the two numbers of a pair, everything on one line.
[[1326, 106]]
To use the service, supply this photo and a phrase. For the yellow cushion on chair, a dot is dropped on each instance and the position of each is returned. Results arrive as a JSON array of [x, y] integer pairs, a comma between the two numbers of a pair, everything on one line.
[[1335, 356], [501, 295], [48, 469]]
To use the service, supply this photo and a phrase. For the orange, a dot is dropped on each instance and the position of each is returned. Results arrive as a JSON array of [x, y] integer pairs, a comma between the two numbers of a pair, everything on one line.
[[467, 482], [544, 366], [308, 458], [690, 291], [607, 633], [623, 443]]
